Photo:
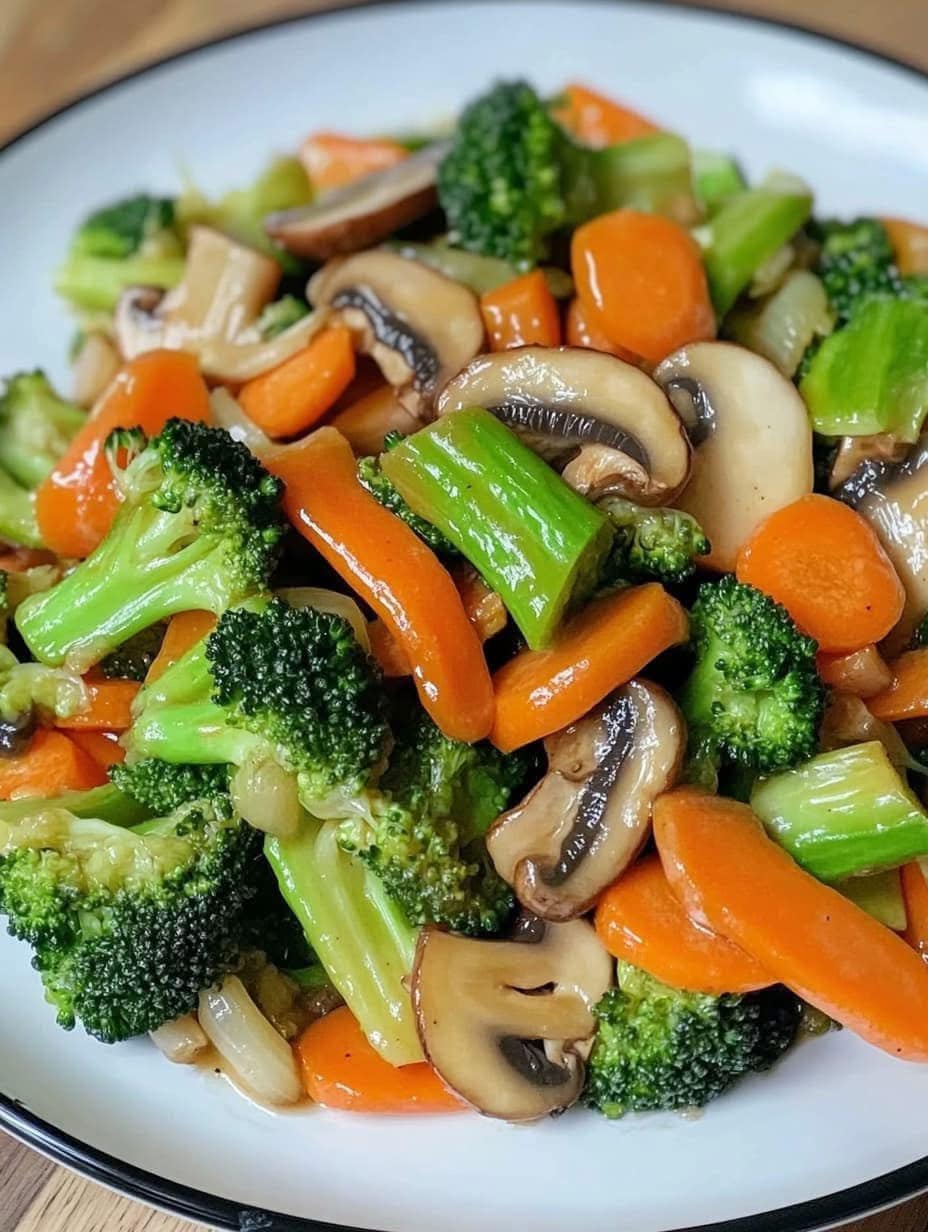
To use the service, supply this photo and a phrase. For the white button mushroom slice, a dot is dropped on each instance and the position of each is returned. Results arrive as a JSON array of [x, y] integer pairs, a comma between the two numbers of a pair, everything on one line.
[[751, 439], [508, 1024], [364, 212], [416, 324], [602, 421], [587, 819]]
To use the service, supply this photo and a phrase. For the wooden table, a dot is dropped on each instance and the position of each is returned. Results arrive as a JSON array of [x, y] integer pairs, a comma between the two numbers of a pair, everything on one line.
[[51, 51]]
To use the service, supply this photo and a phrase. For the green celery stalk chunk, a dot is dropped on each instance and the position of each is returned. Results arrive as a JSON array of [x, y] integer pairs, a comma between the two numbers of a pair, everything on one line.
[[844, 813], [716, 178], [880, 895], [536, 542], [652, 173], [872, 375], [747, 231]]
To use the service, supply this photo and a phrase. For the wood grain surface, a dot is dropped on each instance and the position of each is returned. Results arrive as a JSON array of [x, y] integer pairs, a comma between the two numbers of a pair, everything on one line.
[[51, 51]]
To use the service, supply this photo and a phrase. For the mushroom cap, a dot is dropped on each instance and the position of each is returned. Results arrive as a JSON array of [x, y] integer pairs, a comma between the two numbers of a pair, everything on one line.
[[605, 421]]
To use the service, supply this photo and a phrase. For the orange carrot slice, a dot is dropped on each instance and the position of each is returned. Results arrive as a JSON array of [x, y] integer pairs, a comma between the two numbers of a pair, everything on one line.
[[582, 333], [521, 313], [109, 706], [332, 160], [915, 894], [598, 121], [910, 244], [51, 764], [907, 696], [102, 746], [182, 634], [862, 673], [296, 394], [366, 422]]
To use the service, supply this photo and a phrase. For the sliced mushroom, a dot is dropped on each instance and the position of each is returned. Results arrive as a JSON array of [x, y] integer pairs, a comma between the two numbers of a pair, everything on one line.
[[417, 325], [852, 451], [603, 421], [363, 212], [213, 312], [508, 1024], [751, 439], [585, 822]]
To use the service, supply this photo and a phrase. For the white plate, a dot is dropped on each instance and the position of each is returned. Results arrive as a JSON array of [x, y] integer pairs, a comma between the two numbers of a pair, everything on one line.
[[836, 1114]]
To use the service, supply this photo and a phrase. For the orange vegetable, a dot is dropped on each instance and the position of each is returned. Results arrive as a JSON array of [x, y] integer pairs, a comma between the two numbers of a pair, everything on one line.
[[333, 159], [393, 570], [915, 894], [19, 560], [182, 634], [366, 422], [109, 706], [102, 746], [596, 120], [341, 1070], [296, 394], [825, 564], [862, 673], [910, 245], [580, 333], [521, 313], [729, 875], [907, 696], [50, 765], [386, 650], [75, 506], [639, 920], [609, 641], [641, 282]]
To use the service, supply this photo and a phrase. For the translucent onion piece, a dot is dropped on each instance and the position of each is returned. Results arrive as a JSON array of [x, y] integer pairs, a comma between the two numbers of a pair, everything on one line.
[[266, 796], [334, 603], [782, 326], [95, 365], [248, 1044], [181, 1041], [229, 415]]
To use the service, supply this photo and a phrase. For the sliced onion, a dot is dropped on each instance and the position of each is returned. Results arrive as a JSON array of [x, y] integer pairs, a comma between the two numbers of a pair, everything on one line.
[[332, 602], [182, 1040], [770, 275], [266, 796], [848, 721], [781, 327], [229, 415], [95, 365], [248, 1044]]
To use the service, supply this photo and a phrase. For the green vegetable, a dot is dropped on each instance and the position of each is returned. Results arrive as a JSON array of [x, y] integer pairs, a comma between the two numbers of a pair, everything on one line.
[[133, 658], [280, 315], [754, 696], [535, 541], [855, 263], [843, 813], [880, 895], [36, 427], [18, 523], [481, 274], [161, 787], [716, 178], [650, 543], [371, 475], [872, 375], [106, 803], [784, 324], [513, 177], [658, 1048], [747, 231], [25, 687], [199, 528]]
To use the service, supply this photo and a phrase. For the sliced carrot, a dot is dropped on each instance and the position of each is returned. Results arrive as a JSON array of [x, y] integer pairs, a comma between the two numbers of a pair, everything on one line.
[[393, 570], [603, 646], [639, 920], [521, 313], [729, 875], [366, 422], [109, 706], [862, 673], [910, 244], [581, 333], [341, 1070], [598, 121], [19, 560], [641, 282], [825, 564], [182, 634], [292, 397], [907, 696], [387, 651], [915, 894], [332, 160], [102, 746], [51, 764], [75, 506]]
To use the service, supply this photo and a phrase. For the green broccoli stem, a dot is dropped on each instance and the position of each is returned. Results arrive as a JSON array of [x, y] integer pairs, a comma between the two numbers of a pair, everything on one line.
[[651, 173], [356, 931], [186, 680], [106, 803], [96, 283], [535, 541], [18, 523], [194, 730], [747, 231]]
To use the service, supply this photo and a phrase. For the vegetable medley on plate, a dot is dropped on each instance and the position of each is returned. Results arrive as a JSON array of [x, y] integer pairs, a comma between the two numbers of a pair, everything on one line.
[[464, 638]]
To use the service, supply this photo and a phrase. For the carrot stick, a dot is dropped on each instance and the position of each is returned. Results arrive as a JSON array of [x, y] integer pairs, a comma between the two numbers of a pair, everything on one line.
[[612, 639], [341, 1070], [332, 160], [366, 422], [639, 920], [102, 746], [825, 564], [76, 504], [183, 633], [729, 875], [910, 245], [915, 894], [641, 282], [862, 673], [386, 650], [521, 313], [50, 765], [109, 706], [581, 333], [598, 121], [296, 394], [393, 570], [907, 696]]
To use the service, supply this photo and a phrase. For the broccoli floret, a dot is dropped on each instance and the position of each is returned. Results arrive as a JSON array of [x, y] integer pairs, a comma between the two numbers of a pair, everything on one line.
[[133, 658], [372, 477], [36, 426], [658, 1048], [163, 787], [280, 315], [131, 243], [855, 262], [423, 834], [127, 925], [754, 696], [199, 528], [27, 689], [650, 543]]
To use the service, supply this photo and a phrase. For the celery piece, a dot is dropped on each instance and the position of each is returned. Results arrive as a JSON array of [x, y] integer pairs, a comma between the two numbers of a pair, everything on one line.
[[880, 895], [651, 173], [534, 540], [844, 813], [716, 178], [872, 375], [747, 231]]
